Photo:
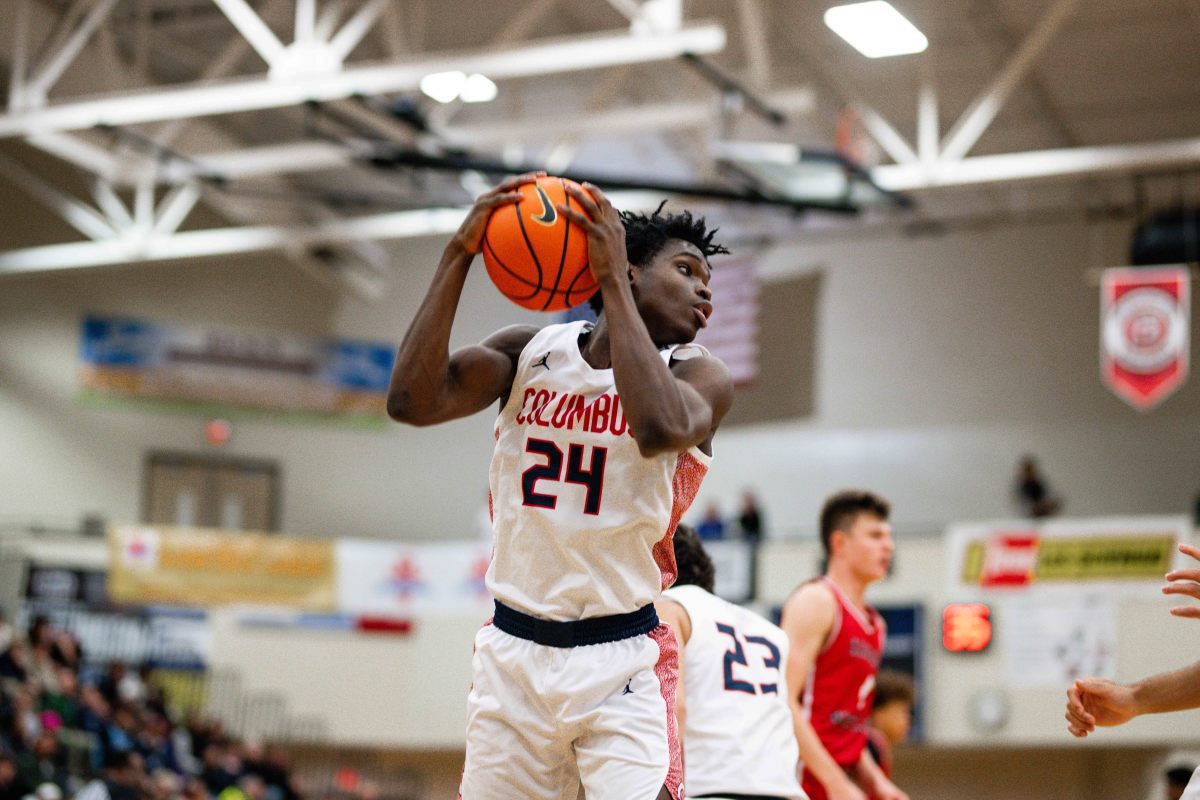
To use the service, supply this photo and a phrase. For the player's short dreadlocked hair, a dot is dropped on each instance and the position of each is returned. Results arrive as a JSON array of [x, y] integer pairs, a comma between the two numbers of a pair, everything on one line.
[[646, 234], [692, 561]]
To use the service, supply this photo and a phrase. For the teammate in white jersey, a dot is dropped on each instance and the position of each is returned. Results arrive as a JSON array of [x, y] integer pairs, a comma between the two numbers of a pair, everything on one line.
[[738, 739], [603, 436]]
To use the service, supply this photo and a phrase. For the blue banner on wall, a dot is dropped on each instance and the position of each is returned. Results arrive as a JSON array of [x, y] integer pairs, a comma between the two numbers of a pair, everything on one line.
[[220, 369]]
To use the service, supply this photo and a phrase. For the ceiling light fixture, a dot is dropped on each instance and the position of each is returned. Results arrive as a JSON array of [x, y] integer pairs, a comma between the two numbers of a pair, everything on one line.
[[876, 29], [443, 86], [478, 89], [446, 87]]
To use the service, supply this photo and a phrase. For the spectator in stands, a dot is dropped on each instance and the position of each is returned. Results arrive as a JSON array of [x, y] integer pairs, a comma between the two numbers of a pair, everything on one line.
[[94, 711], [132, 687], [64, 698], [891, 715], [124, 779], [13, 662], [45, 763], [46, 791], [165, 785], [1032, 492], [56, 732], [194, 789], [12, 787], [155, 744], [39, 633], [249, 787], [711, 525], [26, 722], [277, 772], [111, 681], [7, 634], [120, 734], [221, 768], [750, 518]]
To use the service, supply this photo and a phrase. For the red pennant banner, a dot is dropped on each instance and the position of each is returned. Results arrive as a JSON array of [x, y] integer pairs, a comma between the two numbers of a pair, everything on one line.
[[1145, 319]]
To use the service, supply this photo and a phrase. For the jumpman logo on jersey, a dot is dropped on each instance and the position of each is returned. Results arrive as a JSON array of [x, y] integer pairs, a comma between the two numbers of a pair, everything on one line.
[[542, 362], [627, 689]]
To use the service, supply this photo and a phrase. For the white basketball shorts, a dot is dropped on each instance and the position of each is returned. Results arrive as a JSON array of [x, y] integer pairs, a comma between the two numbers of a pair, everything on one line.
[[544, 721]]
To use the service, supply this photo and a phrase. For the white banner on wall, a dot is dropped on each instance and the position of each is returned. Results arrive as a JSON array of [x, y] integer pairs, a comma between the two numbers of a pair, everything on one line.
[[388, 579], [732, 562], [1050, 638]]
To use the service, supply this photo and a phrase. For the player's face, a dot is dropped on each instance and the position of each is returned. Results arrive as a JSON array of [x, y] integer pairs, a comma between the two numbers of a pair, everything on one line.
[[672, 293], [868, 547]]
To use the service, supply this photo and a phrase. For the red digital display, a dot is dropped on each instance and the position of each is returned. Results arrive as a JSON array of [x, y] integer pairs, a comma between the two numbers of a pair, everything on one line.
[[966, 627]]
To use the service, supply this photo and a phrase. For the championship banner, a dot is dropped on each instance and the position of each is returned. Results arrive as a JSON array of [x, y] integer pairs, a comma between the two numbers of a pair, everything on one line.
[[204, 567], [1145, 317], [387, 579], [1021, 556], [216, 369]]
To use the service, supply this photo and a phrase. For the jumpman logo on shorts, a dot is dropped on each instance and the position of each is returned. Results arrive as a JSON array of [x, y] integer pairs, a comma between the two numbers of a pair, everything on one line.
[[541, 362], [627, 689]]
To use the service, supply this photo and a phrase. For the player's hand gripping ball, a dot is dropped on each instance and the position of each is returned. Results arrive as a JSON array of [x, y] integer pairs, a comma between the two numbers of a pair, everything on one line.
[[533, 254]]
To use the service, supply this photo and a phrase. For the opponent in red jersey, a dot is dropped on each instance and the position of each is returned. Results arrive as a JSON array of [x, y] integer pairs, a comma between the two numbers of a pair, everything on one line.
[[836, 644]]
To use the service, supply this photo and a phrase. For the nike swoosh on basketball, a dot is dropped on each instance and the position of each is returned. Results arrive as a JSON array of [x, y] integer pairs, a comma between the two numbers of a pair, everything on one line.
[[549, 214]]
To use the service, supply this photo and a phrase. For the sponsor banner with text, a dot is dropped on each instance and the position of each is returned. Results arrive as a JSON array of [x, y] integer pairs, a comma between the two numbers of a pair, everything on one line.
[[1021, 555], [205, 567], [207, 369]]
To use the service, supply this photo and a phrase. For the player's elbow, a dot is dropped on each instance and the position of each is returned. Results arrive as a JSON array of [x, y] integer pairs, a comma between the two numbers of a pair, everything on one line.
[[660, 437], [401, 407], [653, 440]]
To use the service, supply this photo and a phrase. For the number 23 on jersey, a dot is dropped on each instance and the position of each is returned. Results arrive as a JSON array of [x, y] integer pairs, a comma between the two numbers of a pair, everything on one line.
[[757, 647]]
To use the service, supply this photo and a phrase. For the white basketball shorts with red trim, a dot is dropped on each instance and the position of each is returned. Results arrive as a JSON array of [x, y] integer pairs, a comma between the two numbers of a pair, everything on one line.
[[542, 722]]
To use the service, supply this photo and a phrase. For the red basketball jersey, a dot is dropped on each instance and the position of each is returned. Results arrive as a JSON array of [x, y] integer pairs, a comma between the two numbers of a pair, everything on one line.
[[841, 685]]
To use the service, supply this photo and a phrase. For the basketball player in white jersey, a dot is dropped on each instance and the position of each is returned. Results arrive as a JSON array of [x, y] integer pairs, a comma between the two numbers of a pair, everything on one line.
[[603, 436], [736, 723]]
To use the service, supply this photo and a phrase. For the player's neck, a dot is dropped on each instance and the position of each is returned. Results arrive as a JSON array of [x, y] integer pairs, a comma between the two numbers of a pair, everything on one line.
[[595, 345], [851, 585]]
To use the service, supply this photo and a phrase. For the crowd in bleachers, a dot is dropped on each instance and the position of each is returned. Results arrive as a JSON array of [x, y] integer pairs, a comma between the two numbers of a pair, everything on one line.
[[73, 729]]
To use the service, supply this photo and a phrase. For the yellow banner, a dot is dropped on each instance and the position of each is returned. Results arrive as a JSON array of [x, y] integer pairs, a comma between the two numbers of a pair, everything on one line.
[[1084, 558], [201, 567]]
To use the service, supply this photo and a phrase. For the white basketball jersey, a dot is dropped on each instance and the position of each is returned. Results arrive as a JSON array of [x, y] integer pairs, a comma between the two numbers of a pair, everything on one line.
[[738, 736], [582, 521]]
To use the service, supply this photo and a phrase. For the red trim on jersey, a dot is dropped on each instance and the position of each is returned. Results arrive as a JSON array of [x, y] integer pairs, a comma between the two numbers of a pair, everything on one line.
[[841, 685], [667, 672], [689, 472]]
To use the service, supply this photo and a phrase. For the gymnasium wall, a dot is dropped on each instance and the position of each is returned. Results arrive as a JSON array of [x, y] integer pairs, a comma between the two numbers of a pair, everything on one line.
[[938, 361], [1149, 641]]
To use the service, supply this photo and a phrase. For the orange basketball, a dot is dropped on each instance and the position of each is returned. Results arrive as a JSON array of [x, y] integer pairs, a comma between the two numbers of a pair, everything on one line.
[[534, 255]]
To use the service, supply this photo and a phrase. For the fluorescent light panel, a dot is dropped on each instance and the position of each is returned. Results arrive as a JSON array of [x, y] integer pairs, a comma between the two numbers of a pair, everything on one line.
[[446, 87], [876, 29]]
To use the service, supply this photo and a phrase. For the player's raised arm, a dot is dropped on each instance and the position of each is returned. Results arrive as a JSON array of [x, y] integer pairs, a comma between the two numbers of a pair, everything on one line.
[[1185, 582], [430, 385], [808, 617], [668, 410]]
